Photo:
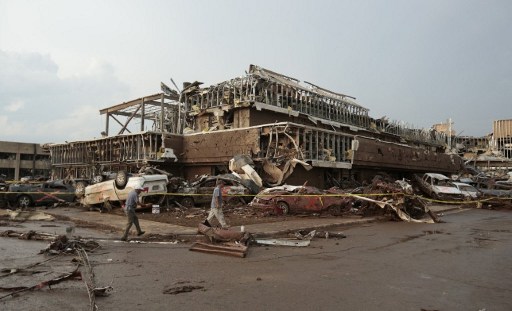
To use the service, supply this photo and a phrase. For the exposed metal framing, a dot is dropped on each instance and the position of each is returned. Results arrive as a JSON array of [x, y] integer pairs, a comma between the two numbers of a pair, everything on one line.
[[160, 109], [170, 114], [307, 143], [83, 159], [264, 86], [502, 137]]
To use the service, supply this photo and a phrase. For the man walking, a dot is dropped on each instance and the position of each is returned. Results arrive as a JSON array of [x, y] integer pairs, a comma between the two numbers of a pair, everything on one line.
[[131, 204], [216, 205]]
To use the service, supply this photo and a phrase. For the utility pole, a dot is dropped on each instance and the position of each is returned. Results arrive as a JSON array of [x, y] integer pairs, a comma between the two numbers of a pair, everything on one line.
[[450, 134]]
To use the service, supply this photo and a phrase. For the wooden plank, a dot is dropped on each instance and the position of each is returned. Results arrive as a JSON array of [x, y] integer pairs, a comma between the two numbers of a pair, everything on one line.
[[219, 249]]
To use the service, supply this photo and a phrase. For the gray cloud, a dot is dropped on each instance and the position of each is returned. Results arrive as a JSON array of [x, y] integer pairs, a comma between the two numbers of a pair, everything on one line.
[[37, 105], [420, 62]]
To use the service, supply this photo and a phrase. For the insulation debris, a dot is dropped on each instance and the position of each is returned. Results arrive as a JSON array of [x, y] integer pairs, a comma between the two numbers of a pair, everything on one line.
[[283, 242]]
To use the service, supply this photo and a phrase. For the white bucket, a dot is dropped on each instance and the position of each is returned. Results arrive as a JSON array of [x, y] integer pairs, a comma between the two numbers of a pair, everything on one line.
[[156, 209]]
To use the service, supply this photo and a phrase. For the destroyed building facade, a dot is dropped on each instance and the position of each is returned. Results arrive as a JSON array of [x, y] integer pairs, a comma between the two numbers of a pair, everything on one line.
[[491, 154], [502, 137], [292, 131]]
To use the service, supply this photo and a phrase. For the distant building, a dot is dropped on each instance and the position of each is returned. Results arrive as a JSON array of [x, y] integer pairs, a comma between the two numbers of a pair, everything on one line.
[[502, 137], [23, 159], [491, 154]]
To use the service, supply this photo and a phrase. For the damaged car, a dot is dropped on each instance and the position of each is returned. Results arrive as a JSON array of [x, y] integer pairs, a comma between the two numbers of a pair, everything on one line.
[[236, 191], [438, 187], [283, 200], [40, 194], [469, 192], [116, 191]]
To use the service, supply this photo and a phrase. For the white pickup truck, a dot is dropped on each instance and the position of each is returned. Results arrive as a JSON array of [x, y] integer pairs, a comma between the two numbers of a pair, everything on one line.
[[116, 190]]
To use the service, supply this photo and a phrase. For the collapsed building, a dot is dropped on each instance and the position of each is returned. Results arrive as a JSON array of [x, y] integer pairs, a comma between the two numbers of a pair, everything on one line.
[[290, 131], [491, 154]]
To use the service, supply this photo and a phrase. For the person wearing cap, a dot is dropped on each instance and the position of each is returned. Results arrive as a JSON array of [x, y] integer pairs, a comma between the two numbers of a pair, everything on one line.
[[216, 205], [131, 204]]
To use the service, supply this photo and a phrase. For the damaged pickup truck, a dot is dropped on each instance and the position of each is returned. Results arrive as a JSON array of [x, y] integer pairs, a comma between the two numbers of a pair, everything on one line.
[[116, 191]]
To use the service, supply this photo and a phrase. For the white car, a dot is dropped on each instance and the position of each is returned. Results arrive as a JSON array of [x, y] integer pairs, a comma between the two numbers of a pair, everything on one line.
[[116, 190], [438, 187], [469, 192]]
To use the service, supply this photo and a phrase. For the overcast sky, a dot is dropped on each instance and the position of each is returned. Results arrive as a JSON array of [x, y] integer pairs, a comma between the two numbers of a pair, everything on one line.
[[420, 62]]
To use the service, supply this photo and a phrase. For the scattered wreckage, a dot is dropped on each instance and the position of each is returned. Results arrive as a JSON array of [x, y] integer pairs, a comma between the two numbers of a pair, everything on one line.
[[375, 198], [395, 196], [226, 237], [233, 243]]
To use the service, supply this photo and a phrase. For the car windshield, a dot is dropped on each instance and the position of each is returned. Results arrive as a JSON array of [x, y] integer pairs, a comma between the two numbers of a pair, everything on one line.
[[467, 188]]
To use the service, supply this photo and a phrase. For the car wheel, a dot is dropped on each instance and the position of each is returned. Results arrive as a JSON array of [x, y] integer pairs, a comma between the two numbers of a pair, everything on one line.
[[283, 208], [121, 179], [187, 202], [79, 189], [97, 179], [24, 201]]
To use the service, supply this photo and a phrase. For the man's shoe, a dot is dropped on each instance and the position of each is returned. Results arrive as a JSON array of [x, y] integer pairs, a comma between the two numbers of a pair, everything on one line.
[[123, 239], [141, 233]]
